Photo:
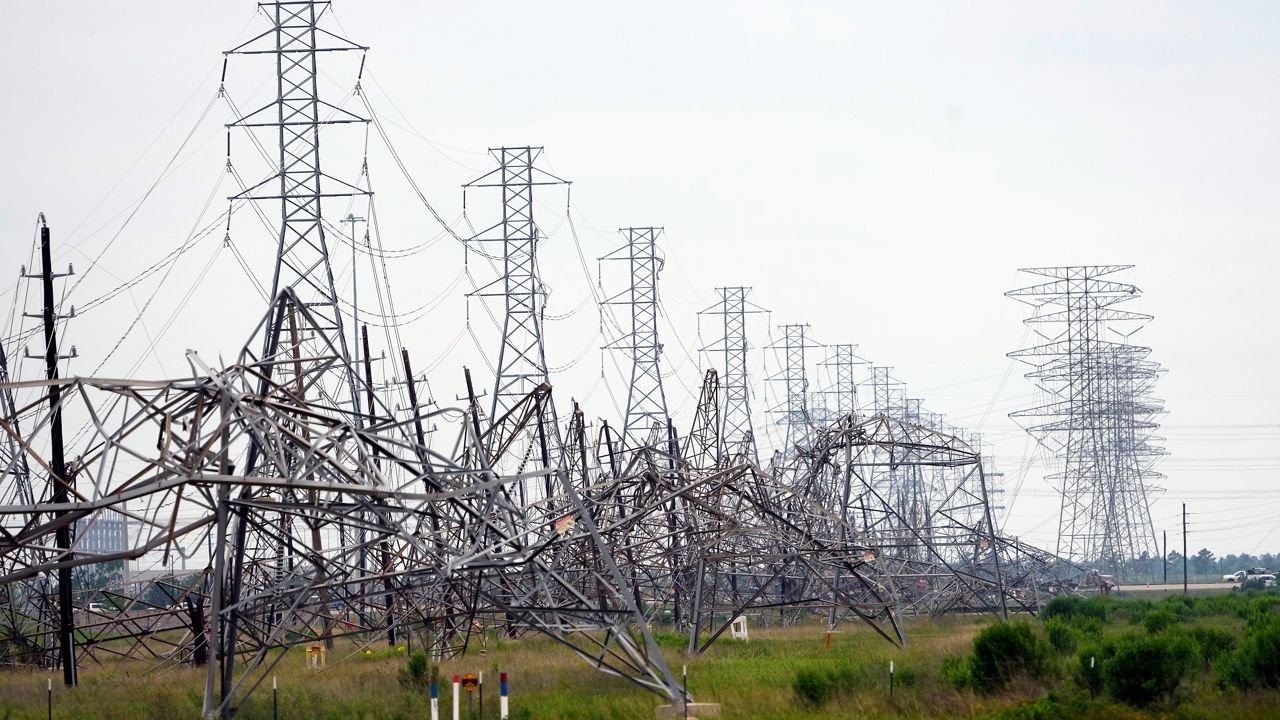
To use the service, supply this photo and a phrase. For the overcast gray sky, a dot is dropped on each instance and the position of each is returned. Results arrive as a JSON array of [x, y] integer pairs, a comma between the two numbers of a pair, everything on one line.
[[878, 170]]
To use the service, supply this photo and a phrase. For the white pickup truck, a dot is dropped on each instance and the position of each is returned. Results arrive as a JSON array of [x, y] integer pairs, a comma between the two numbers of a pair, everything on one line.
[[1241, 576]]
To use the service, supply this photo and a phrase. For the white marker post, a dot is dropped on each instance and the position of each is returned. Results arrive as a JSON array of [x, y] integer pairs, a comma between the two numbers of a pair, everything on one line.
[[456, 699], [890, 678], [684, 681], [275, 698], [503, 710], [435, 697]]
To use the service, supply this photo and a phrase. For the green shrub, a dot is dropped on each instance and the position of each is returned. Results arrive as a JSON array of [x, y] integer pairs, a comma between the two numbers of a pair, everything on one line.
[[1133, 610], [1062, 606], [1061, 635], [955, 672], [1067, 706], [1257, 661], [1148, 669], [812, 687], [1004, 650], [1213, 642], [1158, 620], [1071, 607], [416, 675]]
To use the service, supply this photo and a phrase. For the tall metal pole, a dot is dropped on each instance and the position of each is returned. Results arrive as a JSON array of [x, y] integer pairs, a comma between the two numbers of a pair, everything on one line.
[[1184, 548], [59, 482], [1164, 558], [355, 306]]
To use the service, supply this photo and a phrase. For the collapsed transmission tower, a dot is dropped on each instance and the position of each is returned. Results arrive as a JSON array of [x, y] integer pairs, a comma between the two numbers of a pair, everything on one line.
[[1099, 418], [522, 357], [646, 401], [736, 434]]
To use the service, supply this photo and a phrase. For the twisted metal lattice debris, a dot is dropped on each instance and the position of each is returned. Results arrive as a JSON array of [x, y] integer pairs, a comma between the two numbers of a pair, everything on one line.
[[315, 509]]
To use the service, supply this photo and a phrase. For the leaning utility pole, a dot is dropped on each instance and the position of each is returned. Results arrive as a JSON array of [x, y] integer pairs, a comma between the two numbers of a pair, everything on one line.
[[59, 481], [646, 401], [736, 428], [522, 357]]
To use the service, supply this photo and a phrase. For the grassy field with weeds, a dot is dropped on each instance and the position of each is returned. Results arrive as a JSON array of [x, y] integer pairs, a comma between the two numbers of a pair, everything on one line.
[[1183, 659]]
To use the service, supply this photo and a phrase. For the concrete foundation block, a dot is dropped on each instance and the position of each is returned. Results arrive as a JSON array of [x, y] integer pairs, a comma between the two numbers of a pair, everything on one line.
[[697, 711]]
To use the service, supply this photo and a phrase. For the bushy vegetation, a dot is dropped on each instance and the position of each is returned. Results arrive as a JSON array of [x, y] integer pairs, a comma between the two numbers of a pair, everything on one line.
[[1257, 662], [417, 673], [1071, 608], [1001, 653], [1146, 669], [1200, 658], [1062, 636]]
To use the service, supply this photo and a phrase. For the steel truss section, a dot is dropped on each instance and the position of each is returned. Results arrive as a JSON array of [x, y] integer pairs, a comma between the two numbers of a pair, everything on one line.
[[410, 541]]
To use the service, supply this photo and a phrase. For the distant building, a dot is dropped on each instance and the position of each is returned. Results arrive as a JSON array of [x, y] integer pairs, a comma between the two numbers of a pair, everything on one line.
[[101, 534]]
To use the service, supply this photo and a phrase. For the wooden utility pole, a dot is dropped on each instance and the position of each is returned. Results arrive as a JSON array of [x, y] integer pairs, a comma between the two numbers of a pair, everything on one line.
[[1184, 548], [1164, 557], [59, 481]]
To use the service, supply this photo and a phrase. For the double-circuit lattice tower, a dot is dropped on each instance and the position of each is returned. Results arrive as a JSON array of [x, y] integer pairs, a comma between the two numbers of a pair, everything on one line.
[[646, 401], [1099, 419], [794, 412], [298, 184], [736, 434], [840, 398], [522, 357]]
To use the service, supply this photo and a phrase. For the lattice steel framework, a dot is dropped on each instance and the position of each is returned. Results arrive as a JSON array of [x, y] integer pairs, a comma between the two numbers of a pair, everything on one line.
[[522, 357], [841, 395], [299, 183], [646, 401], [1100, 418], [794, 412], [736, 434]]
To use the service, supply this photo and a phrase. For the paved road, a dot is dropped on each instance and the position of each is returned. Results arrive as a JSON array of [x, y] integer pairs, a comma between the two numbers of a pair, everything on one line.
[[1177, 587]]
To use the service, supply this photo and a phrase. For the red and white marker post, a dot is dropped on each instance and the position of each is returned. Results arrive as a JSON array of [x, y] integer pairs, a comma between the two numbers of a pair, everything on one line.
[[503, 711]]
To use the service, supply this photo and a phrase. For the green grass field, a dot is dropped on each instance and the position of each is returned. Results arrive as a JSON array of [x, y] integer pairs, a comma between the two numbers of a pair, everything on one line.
[[756, 679]]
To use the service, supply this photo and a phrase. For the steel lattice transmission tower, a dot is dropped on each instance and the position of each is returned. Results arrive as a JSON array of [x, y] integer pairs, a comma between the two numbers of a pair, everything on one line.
[[646, 401], [736, 434], [794, 409], [841, 396], [299, 184], [1100, 418], [886, 393], [522, 357]]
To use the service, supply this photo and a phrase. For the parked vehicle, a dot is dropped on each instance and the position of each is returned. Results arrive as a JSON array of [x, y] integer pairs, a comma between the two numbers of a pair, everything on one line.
[[1268, 581], [1240, 576]]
